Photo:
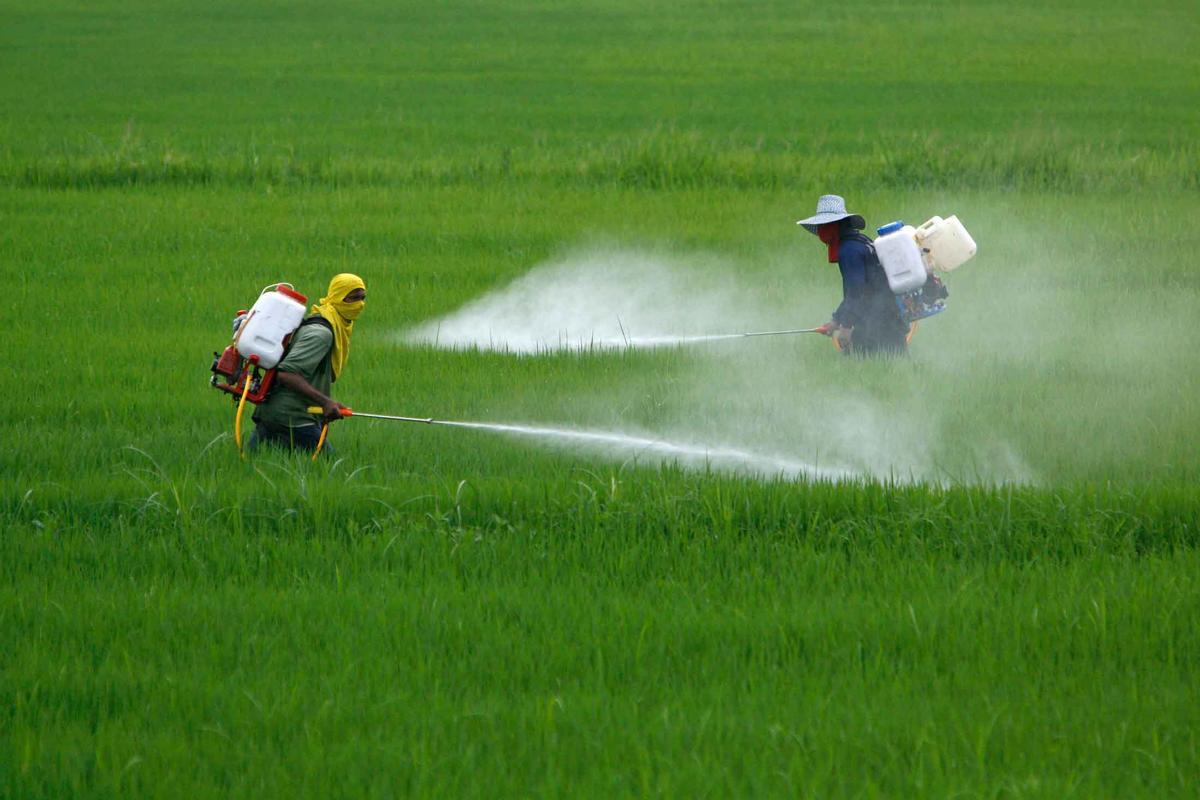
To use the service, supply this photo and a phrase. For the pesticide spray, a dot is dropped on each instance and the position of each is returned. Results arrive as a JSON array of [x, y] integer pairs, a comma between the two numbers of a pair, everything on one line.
[[608, 298], [749, 400], [701, 454]]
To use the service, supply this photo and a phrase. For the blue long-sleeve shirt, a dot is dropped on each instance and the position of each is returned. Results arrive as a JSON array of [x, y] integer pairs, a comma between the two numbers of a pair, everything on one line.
[[853, 259]]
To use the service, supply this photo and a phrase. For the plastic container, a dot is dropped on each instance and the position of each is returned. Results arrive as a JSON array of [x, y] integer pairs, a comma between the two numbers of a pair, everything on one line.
[[265, 328], [945, 243], [901, 258]]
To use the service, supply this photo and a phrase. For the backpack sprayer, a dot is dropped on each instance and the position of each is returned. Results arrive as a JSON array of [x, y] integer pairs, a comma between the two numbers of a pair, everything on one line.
[[910, 255], [246, 369]]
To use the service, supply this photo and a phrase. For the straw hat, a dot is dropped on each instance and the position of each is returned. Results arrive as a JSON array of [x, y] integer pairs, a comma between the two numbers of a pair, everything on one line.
[[831, 208]]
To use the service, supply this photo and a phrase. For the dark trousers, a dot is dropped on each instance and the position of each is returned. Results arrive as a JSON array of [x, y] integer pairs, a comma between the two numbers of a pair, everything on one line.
[[303, 438]]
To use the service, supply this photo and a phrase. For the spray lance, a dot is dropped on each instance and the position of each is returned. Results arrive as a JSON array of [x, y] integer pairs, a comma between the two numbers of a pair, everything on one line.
[[824, 330], [346, 412]]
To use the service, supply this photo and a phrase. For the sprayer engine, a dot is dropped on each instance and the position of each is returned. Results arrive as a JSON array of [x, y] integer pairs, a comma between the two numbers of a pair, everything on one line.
[[930, 299], [231, 372]]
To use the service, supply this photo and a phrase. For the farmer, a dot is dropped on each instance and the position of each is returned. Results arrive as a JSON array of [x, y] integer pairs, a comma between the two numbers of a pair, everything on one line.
[[868, 320], [315, 359]]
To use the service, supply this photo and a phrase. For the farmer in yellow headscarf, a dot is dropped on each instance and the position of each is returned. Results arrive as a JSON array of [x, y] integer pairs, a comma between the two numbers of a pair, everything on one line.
[[315, 358]]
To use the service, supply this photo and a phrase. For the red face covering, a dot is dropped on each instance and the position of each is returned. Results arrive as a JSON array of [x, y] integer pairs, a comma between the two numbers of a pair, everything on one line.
[[831, 234]]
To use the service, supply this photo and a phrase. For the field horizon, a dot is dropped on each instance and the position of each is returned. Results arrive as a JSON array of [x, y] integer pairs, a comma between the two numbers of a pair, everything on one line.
[[742, 568]]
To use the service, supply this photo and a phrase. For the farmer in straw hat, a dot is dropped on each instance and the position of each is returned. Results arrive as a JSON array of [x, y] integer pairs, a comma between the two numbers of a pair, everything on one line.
[[868, 320], [315, 359]]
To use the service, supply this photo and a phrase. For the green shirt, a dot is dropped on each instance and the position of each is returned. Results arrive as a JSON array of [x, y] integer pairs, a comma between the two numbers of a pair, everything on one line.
[[309, 358]]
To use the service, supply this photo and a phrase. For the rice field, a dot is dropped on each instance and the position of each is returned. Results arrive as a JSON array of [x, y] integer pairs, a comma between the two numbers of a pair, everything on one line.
[[992, 592]]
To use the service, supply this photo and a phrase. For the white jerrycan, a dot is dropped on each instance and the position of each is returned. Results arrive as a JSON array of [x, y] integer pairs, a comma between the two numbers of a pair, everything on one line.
[[901, 258], [272, 317], [945, 243]]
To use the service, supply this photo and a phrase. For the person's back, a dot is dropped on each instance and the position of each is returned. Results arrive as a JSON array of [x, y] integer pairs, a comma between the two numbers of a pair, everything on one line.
[[868, 303], [284, 414]]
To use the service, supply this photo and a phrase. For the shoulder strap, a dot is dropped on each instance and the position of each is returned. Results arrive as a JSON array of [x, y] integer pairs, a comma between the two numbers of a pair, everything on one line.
[[316, 319]]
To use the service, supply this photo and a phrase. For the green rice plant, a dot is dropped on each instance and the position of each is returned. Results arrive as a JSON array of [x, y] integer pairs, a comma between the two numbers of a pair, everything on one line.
[[999, 602]]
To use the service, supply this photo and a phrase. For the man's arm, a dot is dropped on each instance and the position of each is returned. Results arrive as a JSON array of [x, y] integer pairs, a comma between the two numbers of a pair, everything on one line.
[[310, 346]]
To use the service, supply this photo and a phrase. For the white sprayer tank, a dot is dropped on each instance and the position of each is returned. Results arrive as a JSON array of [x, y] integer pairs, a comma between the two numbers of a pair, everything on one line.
[[945, 243], [901, 258], [273, 316]]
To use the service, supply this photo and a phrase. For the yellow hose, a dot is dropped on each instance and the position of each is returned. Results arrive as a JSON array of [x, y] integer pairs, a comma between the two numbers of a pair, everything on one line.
[[237, 420], [321, 441]]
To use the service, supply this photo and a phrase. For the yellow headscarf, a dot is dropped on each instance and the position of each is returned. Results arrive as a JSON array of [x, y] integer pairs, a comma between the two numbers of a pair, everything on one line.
[[341, 315]]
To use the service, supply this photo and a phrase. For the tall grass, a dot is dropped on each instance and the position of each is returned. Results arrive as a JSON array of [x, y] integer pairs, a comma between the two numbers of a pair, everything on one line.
[[893, 654], [655, 160], [435, 612]]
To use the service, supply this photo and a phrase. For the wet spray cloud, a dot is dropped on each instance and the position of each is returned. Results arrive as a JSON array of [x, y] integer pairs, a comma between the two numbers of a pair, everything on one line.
[[729, 402], [655, 448], [603, 298]]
